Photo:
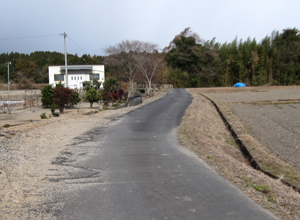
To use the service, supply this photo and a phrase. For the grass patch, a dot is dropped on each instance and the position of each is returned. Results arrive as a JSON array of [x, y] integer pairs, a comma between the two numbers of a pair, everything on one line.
[[6, 125], [91, 113], [105, 107], [43, 116]]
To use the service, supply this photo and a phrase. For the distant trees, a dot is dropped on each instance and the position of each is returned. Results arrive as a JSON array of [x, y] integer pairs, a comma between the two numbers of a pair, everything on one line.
[[189, 54], [273, 61], [34, 66]]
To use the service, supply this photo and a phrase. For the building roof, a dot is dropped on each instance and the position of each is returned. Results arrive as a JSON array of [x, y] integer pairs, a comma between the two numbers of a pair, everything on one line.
[[77, 67]]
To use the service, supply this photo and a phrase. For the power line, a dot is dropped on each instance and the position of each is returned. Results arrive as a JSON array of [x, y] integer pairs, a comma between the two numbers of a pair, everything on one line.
[[77, 45], [43, 36]]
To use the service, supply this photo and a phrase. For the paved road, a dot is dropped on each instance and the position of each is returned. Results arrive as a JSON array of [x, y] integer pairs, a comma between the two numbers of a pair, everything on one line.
[[145, 174]]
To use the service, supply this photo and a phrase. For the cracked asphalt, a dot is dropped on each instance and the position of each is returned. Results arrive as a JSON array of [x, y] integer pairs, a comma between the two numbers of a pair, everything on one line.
[[136, 169]]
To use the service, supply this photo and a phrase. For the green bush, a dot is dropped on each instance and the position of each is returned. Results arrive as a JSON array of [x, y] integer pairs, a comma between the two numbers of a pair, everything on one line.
[[111, 84], [92, 95], [52, 108], [43, 116], [74, 98], [6, 125], [47, 94]]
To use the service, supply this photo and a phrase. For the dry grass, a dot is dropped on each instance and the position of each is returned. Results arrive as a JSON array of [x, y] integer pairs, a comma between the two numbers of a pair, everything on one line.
[[209, 138], [15, 86]]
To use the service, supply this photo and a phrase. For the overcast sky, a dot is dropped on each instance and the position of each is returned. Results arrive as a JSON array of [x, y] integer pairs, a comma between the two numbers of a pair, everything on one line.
[[91, 25]]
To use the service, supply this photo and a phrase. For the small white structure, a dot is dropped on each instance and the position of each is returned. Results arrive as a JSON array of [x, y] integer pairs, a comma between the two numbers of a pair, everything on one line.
[[76, 74]]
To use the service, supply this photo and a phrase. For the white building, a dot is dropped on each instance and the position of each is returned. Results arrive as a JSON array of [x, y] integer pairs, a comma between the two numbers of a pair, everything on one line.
[[76, 74]]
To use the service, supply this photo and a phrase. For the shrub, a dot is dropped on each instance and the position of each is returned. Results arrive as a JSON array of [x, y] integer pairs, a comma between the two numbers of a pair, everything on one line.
[[61, 96], [92, 95], [47, 94], [52, 108], [111, 84], [74, 98], [24, 83], [43, 116], [6, 125], [87, 85], [111, 92], [96, 84]]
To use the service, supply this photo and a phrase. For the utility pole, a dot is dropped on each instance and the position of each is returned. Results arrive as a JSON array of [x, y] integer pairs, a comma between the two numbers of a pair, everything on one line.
[[8, 102], [8, 80], [66, 62]]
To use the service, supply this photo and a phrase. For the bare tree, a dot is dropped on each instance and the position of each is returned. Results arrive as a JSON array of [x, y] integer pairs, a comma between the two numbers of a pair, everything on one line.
[[137, 57], [123, 54], [148, 61]]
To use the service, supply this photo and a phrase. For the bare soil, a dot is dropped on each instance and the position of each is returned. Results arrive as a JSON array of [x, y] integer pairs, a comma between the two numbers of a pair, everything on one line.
[[266, 117]]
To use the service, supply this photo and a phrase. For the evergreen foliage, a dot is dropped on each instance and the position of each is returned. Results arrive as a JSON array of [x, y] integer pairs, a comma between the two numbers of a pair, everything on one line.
[[92, 95], [47, 94], [74, 98], [273, 61]]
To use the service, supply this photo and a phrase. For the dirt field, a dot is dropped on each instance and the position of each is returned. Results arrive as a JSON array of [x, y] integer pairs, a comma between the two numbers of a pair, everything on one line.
[[210, 140], [254, 94], [276, 124]]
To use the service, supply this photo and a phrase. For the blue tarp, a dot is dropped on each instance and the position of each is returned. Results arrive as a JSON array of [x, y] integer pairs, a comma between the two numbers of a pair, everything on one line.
[[239, 84]]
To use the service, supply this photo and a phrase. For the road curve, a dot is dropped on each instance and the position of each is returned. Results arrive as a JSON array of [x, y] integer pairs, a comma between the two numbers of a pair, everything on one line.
[[146, 174]]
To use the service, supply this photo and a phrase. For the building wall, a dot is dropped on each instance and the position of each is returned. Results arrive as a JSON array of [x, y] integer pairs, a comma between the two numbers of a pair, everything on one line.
[[76, 74]]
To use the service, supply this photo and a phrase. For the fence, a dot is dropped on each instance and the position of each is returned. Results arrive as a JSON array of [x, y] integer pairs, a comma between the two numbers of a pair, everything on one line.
[[19, 100]]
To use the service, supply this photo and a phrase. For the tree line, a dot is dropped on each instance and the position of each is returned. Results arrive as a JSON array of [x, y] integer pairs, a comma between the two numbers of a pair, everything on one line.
[[197, 63], [188, 61], [34, 66]]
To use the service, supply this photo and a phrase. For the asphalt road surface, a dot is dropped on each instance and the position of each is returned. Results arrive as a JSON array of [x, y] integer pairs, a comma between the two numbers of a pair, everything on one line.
[[145, 174]]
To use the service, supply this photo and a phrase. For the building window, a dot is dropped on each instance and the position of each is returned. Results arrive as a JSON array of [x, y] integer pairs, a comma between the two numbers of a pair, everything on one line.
[[95, 76], [71, 77], [59, 77], [80, 77]]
